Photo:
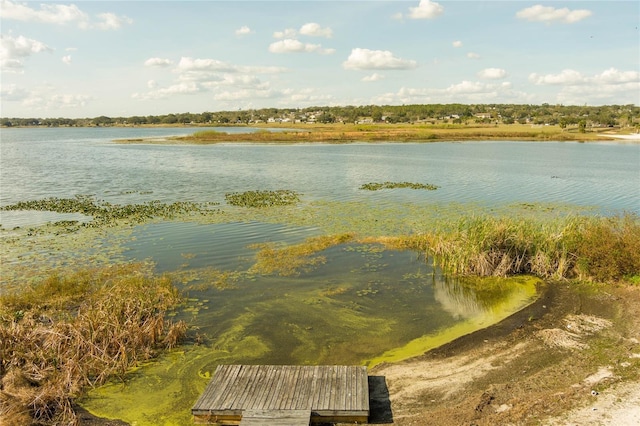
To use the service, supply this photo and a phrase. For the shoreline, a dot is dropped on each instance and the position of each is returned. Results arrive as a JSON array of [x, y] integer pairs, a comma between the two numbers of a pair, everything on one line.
[[471, 379]]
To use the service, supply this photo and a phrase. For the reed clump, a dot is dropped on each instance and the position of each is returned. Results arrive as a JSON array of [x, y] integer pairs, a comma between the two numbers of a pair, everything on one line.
[[589, 248], [70, 332]]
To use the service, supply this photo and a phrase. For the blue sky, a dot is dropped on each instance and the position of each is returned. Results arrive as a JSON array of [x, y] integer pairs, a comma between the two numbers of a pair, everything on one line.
[[123, 58]]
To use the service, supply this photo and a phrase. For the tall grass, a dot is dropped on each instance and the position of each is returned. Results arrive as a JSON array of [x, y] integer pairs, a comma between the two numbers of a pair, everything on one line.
[[68, 333], [590, 248]]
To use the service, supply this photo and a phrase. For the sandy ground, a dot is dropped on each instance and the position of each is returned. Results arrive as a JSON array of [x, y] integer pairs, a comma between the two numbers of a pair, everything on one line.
[[630, 137]]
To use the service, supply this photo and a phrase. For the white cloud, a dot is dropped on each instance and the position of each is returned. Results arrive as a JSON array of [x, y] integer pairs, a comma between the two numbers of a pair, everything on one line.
[[13, 93], [464, 92], [492, 73], [365, 59], [373, 77], [244, 30], [44, 98], [189, 64], [244, 94], [14, 49], [426, 9], [467, 87], [548, 14], [288, 33], [311, 29], [565, 77], [473, 55], [60, 14], [290, 45], [315, 30], [67, 59], [158, 62], [180, 88], [306, 96], [457, 43], [110, 21], [609, 86], [196, 75], [569, 77], [614, 76]]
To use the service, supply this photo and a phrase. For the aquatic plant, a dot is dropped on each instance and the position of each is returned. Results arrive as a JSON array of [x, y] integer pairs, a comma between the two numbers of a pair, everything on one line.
[[292, 260], [586, 247], [70, 332], [376, 186], [105, 213], [281, 197]]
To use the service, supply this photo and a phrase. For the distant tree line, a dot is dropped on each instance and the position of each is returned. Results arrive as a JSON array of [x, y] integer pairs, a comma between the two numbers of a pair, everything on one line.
[[545, 114]]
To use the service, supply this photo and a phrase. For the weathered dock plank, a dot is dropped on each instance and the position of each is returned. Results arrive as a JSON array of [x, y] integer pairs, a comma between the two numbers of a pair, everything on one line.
[[276, 418], [329, 393]]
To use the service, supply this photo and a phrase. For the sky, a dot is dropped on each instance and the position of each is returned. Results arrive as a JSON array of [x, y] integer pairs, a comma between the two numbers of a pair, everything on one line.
[[125, 58]]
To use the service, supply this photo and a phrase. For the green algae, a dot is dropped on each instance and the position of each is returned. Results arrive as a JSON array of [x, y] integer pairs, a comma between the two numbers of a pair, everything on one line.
[[526, 294]]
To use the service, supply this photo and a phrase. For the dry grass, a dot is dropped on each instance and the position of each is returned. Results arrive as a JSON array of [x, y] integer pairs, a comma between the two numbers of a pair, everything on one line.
[[342, 133], [68, 333]]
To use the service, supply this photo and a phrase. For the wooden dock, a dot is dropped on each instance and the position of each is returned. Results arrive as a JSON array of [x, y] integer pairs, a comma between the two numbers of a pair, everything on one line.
[[284, 395]]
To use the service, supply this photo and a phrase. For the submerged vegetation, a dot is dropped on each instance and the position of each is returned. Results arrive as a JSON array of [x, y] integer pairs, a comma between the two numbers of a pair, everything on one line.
[[293, 260], [376, 186], [70, 332], [281, 197], [105, 213]]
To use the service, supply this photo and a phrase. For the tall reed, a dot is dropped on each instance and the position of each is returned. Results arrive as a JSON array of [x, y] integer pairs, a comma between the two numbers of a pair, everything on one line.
[[71, 332], [592, 248]]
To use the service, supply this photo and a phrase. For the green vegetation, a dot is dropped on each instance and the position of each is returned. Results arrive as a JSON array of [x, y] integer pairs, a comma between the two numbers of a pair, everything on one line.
[[376, 186], [281, 197], [590, 248], [384, 132], [104, 213], [67, 333], [567, 117], [293, 260]]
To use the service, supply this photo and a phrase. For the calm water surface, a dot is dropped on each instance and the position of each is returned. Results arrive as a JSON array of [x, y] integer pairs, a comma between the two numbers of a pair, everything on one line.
[[38, 163], [361, 303]]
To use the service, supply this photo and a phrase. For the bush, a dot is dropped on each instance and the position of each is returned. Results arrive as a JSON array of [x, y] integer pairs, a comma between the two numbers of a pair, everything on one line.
[[70, 332]]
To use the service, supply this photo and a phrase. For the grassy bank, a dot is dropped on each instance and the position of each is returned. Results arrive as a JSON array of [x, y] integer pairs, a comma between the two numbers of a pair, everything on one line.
[[601, 249], [345, 133], [76, 330]]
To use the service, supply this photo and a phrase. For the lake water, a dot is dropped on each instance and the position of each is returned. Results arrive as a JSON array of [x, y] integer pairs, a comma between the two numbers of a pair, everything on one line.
[[359, 302], [38, 163]]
